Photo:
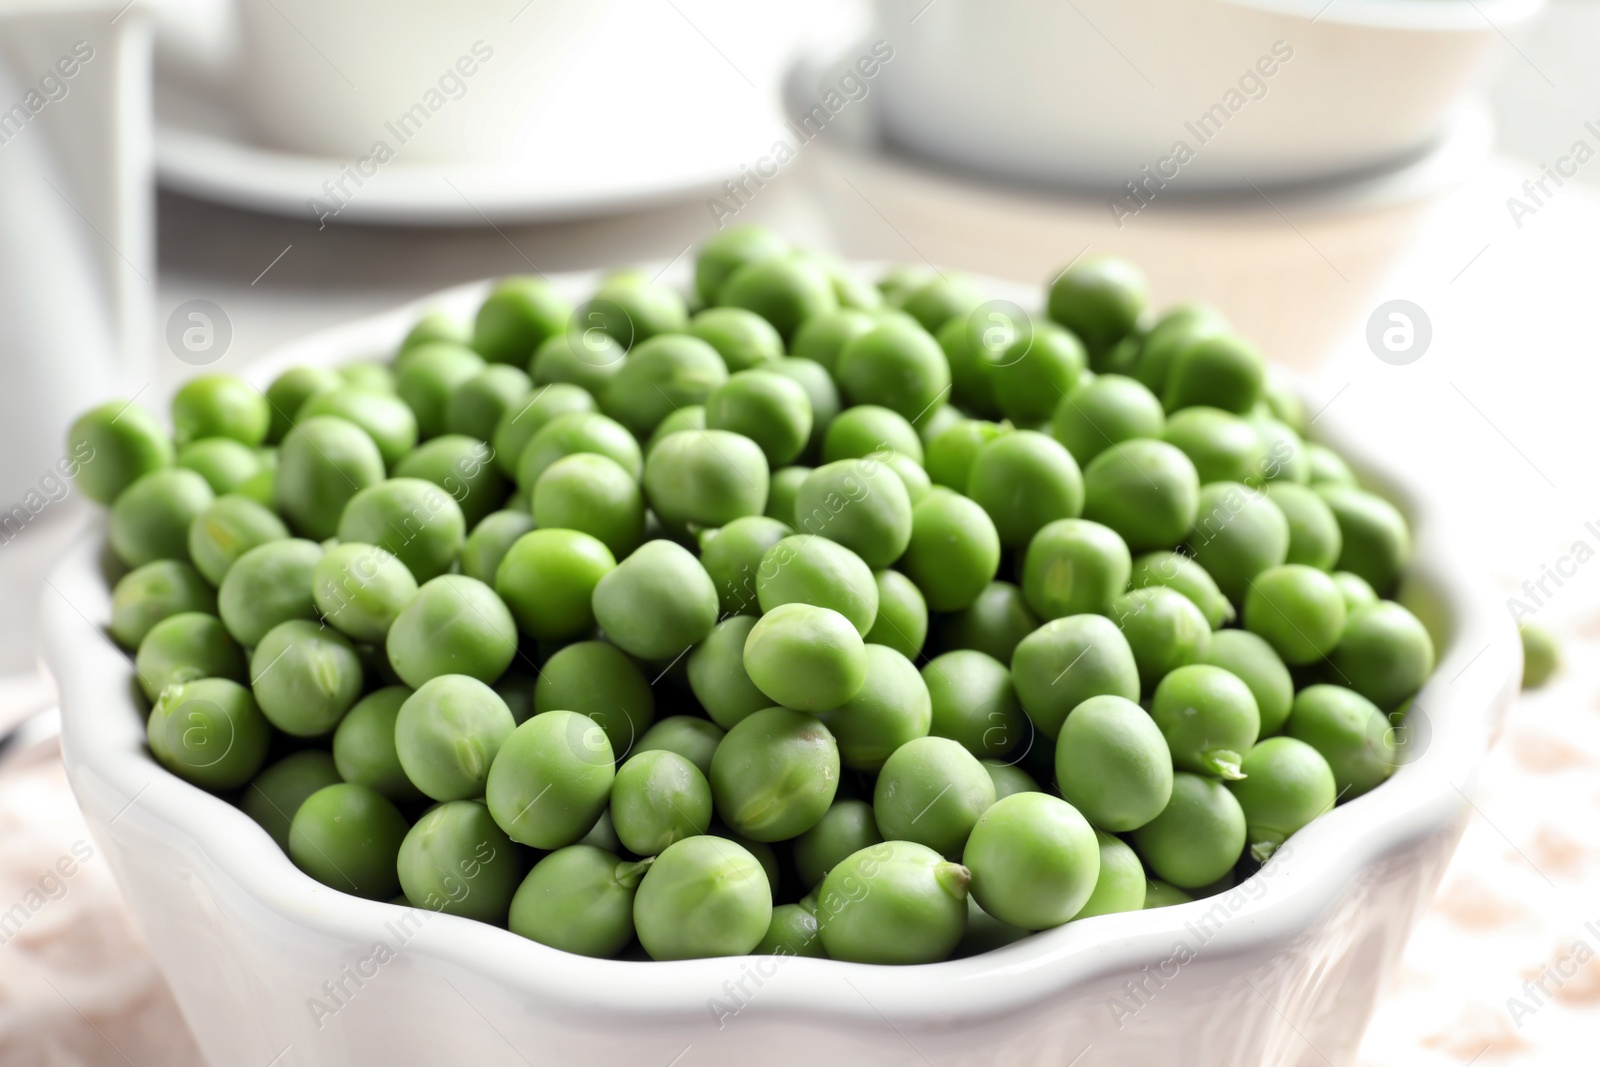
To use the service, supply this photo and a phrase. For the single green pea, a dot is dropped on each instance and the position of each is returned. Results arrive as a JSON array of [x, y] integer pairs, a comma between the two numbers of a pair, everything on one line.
[[585, 359], [1238, 533], [1174, 571], [895, 365], [348, 837], [1286, 785], [578, 899], [742, 338], [1298, 610], [1164, 629], [427, 376], [413, 520], [725, 251], [360, 589], [1283, 452], [775, 774], [1220, 371], [718, 677], [304, 677], [290, 390], [1121, 884], [600, 681], [971, 385], [1067, 661], [1209, 718], [322, 463], [185, 647], [954, 552], [845, 829], [1198, 837], [518, 316], [224, 463], [1159, 894], [220, 405], [1327, 466], [895, 902], [867, 429], [1252, 660], [951, 454], [1356, 591], [269, 584], [708, 478], [631, 308], [732, 557], [860, 503], [1074, 567], [1541, 655], [548, 579], [261, 487], [783, 492], [435, 326], [384, 417], [792, 932], [659, 798], [486, 546], [931, 790], [974, 703], [448, 733], [1100, 299], [891, 708], [911, 474], [226, 530], [806, 569], [1350, 732], [208, 731], [1105, 412], [692, 417], [593, 495], [114, 445], [821, 394], [766, 407], [1025, 481], [453, 625], [1314, 537], [477, 405], [937, 422], [1008, 778], [577, 432], [156, 591], [364, 748], [994, 623], [902, 622], [151, 519], [822, 337], [786, 290], [661, 375], [521, 423], [277, 792], [693, 738], [656, 603], [464, 468], [1034, 861], [1376, 540], [704, 896], [551, 779], [1038, 369], [1147, 491], [1384, 653], [456, 860], [1222, 446], [806, 657], [1113, 764], [940, 299]]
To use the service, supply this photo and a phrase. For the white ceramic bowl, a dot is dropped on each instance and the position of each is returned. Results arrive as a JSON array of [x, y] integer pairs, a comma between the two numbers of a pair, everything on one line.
[[1090, 92], [271, 967]]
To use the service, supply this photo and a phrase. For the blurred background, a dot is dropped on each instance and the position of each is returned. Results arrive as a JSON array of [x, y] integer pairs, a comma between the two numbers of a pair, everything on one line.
[[190, 184]]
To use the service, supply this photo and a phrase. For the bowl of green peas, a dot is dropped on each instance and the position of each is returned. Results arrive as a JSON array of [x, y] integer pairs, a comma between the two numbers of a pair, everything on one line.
[[769, 657]]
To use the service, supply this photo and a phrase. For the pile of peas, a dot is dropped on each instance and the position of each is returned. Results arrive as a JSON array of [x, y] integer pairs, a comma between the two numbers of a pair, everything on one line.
[[795, 615]]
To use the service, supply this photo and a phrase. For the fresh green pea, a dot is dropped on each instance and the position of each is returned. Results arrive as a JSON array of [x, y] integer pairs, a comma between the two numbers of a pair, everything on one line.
[[971, 385], [940, 299], [1314, 537], [725, 251], [593, 495], [1237, 534], [954, 551], [156, 591], [1105, 412], [1121, 884], [208, 731], [845, 829], [1253, 661], [151, 519], [224, 463], [806, 657], [1100, 299], [1298, 610], [1285, 404], [630, 309], [1220, 371], [1074, 567], [220, 405], [521, 423], [1541, 655], [269, 584], [1198, 837], [1008, 778], [895, 365], [578, 899], [584, 359], [464, 468], [703, 896], [304, 677], [1034, 861], [489, 541], [277, 792], [891, 708], [226, 530], [360, 589], [895, 902], [867, 429], [1350, 733], [822, 337], [785, 290], [1327, 466], [1159, 894], [1222, 446], [911, 475], [577, 432], [261, 487], [1283, 453], [707, 478], [783, 492], [323, 462], [518, 316], [1376, 540], [548, 579], [456, 860], [1384, 653], [1286, 784], [931, 790], [659, 798], [114, 445], [692, 417], [661, 375], [742, 338], [454, 625], [364, 748], [478, 404], [348, 837], [1025, 481], [768, 408], [185, 647], [718, 677], [384, 417], [974, 703], [902, 622], [805, 569], [551, 779], [1209, 718], [600, 681], [951, 454], [732, 557], [994, 623], [1174, 571], [693, 738], [448, 733], [656, 603], [290, 390], [899, 282], [792, 932], [860, 503], [1147, 491], [937, 422], [1356, 591], [427, 376], [413, 520], [1035, 372], [1164, 629], [1113, 764], [1067, 661], [821, 393]]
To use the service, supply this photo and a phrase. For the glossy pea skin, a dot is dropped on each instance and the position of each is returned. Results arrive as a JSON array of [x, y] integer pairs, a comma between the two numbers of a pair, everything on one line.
[[518, 315], [184, 647], [660, 375], [859, 503], [1209, 718], [114, 445], [950, 453], [1356, 591], [548, 579], [1074, 567], [891, 708], [304, 677], [1105, 412], [1314, 537], [769, 408], [1327, 466], [269, 584], [1384, 653], [224, 463], [821, 338], [1541, 655], [1034, 861], [658, 798], [974, 703], [706, 478], [848, 827], [156, 591], [360, 589], [732, 557], [1008, 778], [725, 251], [520, 423], [1252, 660], [1198, 837], [704, 896], [657, 602], [322, 463], [895, 365], [1222, 446], [1284, 453], [486, 546], [970, 383], [573, 432], [783, 491], [594, 495], [1025, 481], [742, 338], [942, 298], [954, 552], [384, 417], [993, 624], [364, 745], [1238, 534], [785, 290], [1298, 610], [806, 569], [348, 837], [822, 394], [792, 932], [1350, 732], [464, 468], [806, 657], [1164, 629], [208, 731], [1376, 540], [477, 405], [447, 734], [1286, 785], [1221, 371], [1031, 376], [425, 378], [1113, 764], [1121, 884], [1147, 491], [289, 391], [226, 530], [931, 791], [912, 476], [1159, 894], [416, 521], [1067, 661], [220, 405], [454, 625], [867, 429], [1100, 299], [775, 774], [584, 359], [693, 738], [631, 309], [718, 677], [1181, 573], [277, 792], [578, 899], [895, 902], [902, 621], [1177, 329], [456, 860], [151, 519], [692, 417], [598, 680], [551, 779]]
